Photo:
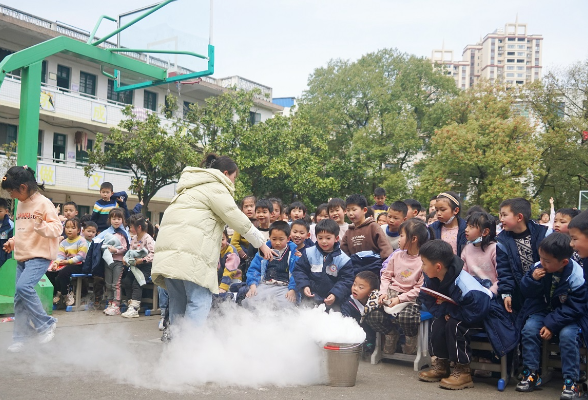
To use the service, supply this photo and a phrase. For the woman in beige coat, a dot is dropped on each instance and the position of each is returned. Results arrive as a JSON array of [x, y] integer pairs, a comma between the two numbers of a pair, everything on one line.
[[188, 244]]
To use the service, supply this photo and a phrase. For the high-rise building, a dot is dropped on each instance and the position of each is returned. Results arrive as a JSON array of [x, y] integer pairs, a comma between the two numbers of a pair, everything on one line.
[[508, 55]]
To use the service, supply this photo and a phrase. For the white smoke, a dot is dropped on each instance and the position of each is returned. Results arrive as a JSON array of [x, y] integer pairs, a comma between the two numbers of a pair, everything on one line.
[[236, 347]]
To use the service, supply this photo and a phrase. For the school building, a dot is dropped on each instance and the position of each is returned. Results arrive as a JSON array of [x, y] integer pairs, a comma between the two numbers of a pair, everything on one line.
[[78, 101]]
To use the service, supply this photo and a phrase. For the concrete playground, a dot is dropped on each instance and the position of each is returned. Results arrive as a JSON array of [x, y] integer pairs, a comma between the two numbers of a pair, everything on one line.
[[71, 368]]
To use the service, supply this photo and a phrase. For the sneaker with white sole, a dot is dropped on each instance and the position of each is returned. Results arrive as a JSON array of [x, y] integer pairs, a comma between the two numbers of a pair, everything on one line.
[[161, 327], [49, 334], [57, 298], [70, 299], [113, 310], [108, 306], [15, 347], [130, 313]]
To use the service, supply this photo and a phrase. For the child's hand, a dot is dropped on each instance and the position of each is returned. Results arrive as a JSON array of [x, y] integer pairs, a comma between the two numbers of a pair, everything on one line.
[[447, 317], [330, 300], [383, 299], [551, 201], [508, 304], [307, 292], [58, 208], [222, 290], [252, 291], [291, 296], [8, 246], [394, 302], [61, 262], [62, 218], [538, 274], [545, 333], [242, 254], [141, 202], [298, 253], [38, 217], [112, 249]]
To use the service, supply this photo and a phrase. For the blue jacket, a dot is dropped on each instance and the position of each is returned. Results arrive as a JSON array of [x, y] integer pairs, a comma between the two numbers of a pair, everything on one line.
[[93, 264], [568, 304], [257, 268], [6, 232], [366, 261], [461, 239], [112, 231], [475, 305], [508, 262], [325, 273]]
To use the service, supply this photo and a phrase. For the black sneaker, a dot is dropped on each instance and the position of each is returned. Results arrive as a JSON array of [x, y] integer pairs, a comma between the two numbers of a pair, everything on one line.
[[530, 381], [368, 348], [570, 390]]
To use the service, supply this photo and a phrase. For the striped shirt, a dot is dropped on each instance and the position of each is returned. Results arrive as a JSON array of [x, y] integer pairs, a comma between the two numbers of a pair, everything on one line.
[[74, 250]]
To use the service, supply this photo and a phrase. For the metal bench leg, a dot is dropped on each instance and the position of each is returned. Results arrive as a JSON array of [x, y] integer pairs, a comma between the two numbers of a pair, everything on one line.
[[78, 292]]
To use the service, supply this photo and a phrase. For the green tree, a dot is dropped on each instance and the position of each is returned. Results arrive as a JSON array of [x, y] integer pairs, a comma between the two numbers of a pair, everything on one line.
[[155, 153], [486, 152], [377, 113], [282, 156], [560, 103]]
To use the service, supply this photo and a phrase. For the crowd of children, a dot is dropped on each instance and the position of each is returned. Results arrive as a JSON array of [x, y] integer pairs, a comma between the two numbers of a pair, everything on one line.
[[508, 275]]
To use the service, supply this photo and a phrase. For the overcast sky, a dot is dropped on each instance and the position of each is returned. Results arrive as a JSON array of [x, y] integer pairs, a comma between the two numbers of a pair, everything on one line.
[[280, 42]]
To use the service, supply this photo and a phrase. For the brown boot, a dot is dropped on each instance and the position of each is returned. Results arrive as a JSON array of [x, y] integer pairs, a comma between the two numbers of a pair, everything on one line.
[[391, 340], [439, 370], [410, 345], [460, 378]]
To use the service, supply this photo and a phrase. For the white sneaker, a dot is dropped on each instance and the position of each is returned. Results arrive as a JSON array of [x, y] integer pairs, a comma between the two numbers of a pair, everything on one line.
[[70, 299], [15, 347], [130, 313], [161, 327], [109, 306], [48, 335], [114, 310]]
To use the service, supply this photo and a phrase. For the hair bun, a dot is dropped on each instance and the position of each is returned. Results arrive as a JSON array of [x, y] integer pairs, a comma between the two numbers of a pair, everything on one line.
[[209, 160]]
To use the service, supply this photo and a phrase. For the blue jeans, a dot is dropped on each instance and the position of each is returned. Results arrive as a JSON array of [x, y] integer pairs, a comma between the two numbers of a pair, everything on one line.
[[568, 345], [29, 315], [188, 300], [163, 298]]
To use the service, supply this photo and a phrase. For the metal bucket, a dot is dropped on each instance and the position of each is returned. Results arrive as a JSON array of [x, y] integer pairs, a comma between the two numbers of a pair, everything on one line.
[[342, 363]]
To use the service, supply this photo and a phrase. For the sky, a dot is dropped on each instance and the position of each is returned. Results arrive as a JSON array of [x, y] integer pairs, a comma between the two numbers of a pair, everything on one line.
[[279, 43]]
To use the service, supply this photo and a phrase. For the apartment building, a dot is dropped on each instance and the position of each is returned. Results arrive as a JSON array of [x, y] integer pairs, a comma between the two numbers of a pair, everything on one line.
[[78, 101], [510, 55]]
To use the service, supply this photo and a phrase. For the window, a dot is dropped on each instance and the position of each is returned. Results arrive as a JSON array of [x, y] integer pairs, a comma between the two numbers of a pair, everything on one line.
[[510, 53], [186, 109], [254, 118], [521, 39], [499, 62], [81, 155], [499, 40], [8, 133], [59, 141], [520, 68], [511, 46], [63, 76], [521, 53], [509, 81], [150, 100], [44, 72], [510, 67], [520, 61], [519, 75], [40, 144], [510, 60], [510, 75], [87, 83], [520, 82], [83, 210], [511, 39], [521, 46], [537, 62], [125, 97]]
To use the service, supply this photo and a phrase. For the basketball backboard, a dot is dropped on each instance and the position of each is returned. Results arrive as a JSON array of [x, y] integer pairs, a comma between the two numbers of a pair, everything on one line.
[[175, 35]]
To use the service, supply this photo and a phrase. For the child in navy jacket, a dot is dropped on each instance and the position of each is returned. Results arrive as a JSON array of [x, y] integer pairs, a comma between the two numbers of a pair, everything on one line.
[[324, 273], [555, 304], [467, 307]]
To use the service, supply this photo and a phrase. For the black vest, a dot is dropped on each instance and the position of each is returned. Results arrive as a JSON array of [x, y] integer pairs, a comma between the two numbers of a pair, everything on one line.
[[278, 269]]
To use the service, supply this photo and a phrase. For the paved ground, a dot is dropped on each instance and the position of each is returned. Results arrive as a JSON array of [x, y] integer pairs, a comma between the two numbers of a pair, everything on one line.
[[72, 367]]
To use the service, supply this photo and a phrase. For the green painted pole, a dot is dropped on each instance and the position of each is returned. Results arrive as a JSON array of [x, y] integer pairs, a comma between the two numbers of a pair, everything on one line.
[[28, 125]]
